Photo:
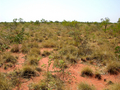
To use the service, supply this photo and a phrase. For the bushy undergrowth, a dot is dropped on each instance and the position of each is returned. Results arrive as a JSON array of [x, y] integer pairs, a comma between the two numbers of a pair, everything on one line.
[[71, 42]]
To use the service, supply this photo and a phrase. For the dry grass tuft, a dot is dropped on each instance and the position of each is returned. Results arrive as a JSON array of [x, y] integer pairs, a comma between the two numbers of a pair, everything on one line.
[[87, 71], [85, 86]]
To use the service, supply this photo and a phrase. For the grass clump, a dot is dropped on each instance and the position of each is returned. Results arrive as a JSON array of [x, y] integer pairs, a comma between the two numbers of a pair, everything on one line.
[[113, 67], [85, 86], [28, 72], [15, 48], [46, 53], [87, 71], [32, 60], [49, 44], [98, 75], [24, 48], [33, 44], [8, 58]]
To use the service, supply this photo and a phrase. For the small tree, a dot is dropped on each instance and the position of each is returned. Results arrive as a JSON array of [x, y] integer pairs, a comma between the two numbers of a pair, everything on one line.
[[15, 20], [105, 22], [118, 20], [20, 20]]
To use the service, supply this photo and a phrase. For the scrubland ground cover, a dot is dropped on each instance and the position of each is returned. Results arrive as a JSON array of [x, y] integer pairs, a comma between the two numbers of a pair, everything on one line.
[[52, 55]]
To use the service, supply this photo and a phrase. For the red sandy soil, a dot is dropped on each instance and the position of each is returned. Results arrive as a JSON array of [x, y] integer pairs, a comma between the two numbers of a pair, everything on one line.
[[71, 80]]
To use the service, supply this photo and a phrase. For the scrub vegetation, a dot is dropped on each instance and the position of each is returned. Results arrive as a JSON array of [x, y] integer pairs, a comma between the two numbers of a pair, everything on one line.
[[25, 45]]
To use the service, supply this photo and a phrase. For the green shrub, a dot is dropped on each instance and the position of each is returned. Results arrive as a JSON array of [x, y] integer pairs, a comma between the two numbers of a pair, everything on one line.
[[85, 86]]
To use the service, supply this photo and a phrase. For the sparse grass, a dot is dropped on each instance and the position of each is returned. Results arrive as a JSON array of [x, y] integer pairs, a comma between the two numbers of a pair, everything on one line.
[[113, 67], [85, 86], [87, 71]]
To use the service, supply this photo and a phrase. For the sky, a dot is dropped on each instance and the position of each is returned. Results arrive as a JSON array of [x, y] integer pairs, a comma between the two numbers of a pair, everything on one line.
[[59, 10]]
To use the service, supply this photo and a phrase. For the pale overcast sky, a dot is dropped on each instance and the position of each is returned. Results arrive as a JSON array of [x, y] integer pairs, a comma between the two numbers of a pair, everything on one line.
[[80, 10]]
